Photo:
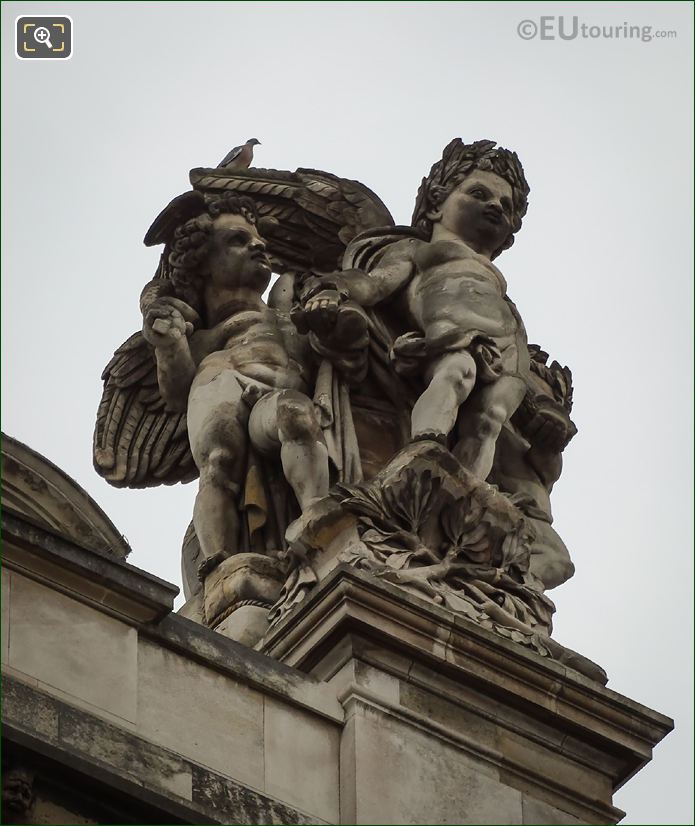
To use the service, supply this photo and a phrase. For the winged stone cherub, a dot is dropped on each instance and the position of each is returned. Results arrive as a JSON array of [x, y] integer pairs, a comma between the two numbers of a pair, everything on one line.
[[219, 384], [241, 376]]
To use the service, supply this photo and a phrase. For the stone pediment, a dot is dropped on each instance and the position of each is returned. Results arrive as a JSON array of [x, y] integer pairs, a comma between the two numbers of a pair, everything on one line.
[[38, 490]]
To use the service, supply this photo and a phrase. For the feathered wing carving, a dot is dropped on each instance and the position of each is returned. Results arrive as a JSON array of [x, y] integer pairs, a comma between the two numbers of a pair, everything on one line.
[[137, 442], [307, 217], [175, 213], [179, 210]]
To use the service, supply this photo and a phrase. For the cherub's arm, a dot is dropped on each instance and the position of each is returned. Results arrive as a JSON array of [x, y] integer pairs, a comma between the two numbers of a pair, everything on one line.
[[547, 463], [166, 329], [544, 416], [393, 272]]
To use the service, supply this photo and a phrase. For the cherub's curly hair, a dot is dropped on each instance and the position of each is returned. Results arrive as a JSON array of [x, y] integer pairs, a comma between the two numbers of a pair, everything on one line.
[[458, 162], [189, 249]]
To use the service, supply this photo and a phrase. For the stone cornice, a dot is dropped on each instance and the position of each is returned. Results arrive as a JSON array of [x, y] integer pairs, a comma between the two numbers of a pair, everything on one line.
[[349, 603]]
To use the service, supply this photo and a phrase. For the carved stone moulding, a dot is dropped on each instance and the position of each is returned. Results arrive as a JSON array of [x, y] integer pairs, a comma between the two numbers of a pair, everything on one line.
[[401, 663], [36, 489]]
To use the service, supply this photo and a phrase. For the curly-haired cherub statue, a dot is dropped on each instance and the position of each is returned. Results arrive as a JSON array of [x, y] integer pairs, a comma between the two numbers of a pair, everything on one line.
[[241, 375], [465, 337]]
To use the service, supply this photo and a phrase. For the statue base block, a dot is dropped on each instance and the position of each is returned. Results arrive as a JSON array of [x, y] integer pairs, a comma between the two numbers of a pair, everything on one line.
[[448, 722], [238, 594]]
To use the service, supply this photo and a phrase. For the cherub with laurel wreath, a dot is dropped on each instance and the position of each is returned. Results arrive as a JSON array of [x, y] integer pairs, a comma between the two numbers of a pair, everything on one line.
[[463, 336]]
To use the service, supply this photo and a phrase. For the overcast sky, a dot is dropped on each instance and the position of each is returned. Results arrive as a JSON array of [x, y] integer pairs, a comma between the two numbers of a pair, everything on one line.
[[93, 147]]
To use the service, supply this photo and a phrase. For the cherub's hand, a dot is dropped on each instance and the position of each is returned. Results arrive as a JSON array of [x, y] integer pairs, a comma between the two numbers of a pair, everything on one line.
[[550, 429], [412, 345], [408, 352], [254, 391], [164, 325], [321, 311]]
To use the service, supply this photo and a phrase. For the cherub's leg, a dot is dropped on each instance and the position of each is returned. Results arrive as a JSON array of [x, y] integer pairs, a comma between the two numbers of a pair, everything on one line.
[[451, 379], [217, 424], [482, 419], [287, 421]]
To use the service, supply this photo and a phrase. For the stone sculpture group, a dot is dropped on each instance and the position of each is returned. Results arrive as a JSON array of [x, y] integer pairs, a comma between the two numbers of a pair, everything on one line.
[[382, 409]]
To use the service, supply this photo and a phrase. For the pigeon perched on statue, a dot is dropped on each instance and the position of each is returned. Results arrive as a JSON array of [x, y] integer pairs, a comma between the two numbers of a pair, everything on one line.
[[240, 157]]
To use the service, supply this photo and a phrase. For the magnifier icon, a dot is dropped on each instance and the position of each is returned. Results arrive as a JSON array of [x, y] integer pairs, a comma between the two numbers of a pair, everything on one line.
[[42, 35]]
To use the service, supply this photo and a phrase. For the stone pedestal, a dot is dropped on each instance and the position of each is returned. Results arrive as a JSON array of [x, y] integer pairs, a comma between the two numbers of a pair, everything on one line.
[[239, 593], [448, 722]]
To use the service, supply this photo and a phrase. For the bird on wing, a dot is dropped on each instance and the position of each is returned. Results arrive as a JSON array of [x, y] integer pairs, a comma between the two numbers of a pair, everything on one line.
[[240, 157]]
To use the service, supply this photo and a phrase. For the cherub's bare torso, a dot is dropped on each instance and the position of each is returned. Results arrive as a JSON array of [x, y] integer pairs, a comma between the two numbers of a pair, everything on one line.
[[259, 345], [456, 295]]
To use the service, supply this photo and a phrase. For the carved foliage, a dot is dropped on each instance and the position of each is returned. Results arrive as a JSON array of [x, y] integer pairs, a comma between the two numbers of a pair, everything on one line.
[[463, 546]]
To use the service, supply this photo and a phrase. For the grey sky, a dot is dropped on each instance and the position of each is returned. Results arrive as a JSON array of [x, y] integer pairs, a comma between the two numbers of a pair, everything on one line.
[[95, 146]]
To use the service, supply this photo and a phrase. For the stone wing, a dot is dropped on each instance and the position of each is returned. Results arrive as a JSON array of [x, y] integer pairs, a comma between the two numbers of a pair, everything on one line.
[[137, 442], [307, 217], [176, 212]]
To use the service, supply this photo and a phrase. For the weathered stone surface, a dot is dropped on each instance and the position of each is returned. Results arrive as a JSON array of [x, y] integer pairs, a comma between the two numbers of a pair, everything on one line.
[[466, 791], [428, 525], [378, 433], [535, 811], [18, 793], [471, 727], [146, 764], [5, 619], [67, 645], [174, 632], [222, 726], [241, 664], [234, 803], [138, 775], [242, 375], [92, 575], [30, 709], [448, 714], [49, 812], [301, 760], [246, 624]]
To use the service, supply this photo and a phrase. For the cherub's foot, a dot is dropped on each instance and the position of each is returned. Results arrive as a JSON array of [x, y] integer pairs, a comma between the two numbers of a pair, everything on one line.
[[300, 534], [293, 537], [209, 564]]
